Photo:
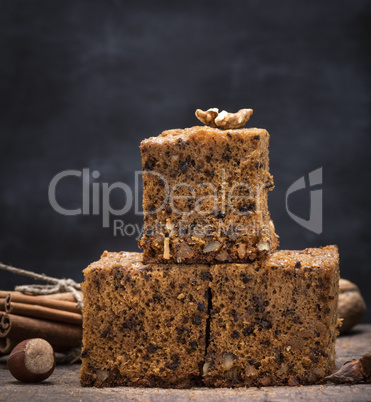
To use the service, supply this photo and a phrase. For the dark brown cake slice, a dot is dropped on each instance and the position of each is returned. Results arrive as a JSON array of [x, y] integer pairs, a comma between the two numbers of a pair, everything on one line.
[[144, 325], [273, 322], [205, 196]]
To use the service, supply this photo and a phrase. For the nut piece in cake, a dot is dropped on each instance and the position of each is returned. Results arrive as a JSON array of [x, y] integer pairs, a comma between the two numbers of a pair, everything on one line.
[[205, 196]]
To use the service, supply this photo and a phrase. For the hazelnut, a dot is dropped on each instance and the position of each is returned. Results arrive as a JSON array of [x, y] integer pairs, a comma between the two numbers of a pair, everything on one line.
[[351, 306], [32, 360]]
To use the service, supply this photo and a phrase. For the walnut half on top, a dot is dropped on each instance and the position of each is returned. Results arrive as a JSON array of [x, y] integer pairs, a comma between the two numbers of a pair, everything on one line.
[[224, 120]]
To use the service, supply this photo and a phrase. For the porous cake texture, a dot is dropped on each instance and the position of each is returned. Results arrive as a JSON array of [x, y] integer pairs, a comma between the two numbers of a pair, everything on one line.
[[144, 325], [273, 322], [267, 322], [205, 196]]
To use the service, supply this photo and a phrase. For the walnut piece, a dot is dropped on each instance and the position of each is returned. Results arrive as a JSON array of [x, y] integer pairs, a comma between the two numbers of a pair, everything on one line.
[[102, 375], [212, 246], [227, 120], [208, 117], [205, 368], [184, 252], [228, 361], [263, 246], [166, 248], [353, 372], [224, 120]]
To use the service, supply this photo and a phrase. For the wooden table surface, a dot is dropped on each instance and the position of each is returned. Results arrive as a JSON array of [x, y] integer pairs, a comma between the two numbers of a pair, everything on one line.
[[64, 385]]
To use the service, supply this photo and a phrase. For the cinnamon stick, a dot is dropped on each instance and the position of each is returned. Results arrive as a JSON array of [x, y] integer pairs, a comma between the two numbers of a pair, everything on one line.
[[4, 325], [60, 335], [46, 313], [2, 304], [66, 296], [7, 345], [43, 301]]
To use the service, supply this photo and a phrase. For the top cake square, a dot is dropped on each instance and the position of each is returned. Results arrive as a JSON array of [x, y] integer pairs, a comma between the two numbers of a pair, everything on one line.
[[205, 196]]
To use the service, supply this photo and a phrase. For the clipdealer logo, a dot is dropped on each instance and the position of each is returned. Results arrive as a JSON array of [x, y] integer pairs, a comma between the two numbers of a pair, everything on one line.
[[96, 199], [315, 221]]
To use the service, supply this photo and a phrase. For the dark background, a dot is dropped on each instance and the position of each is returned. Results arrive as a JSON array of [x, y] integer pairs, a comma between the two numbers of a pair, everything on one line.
[[83, 82]]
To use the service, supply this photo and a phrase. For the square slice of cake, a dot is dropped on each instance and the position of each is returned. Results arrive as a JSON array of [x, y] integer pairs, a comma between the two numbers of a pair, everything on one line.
[[273, 322], [144, 325], [205, 196]]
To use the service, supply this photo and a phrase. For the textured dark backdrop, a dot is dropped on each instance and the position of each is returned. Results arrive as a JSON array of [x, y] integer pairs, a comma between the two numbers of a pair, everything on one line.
[[82, 82]]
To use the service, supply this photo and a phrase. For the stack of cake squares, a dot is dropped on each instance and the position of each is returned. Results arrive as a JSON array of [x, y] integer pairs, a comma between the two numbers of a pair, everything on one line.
[[209, 302]]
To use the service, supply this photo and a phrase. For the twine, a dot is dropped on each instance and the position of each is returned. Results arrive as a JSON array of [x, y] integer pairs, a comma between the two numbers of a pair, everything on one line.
[[58, 285]]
